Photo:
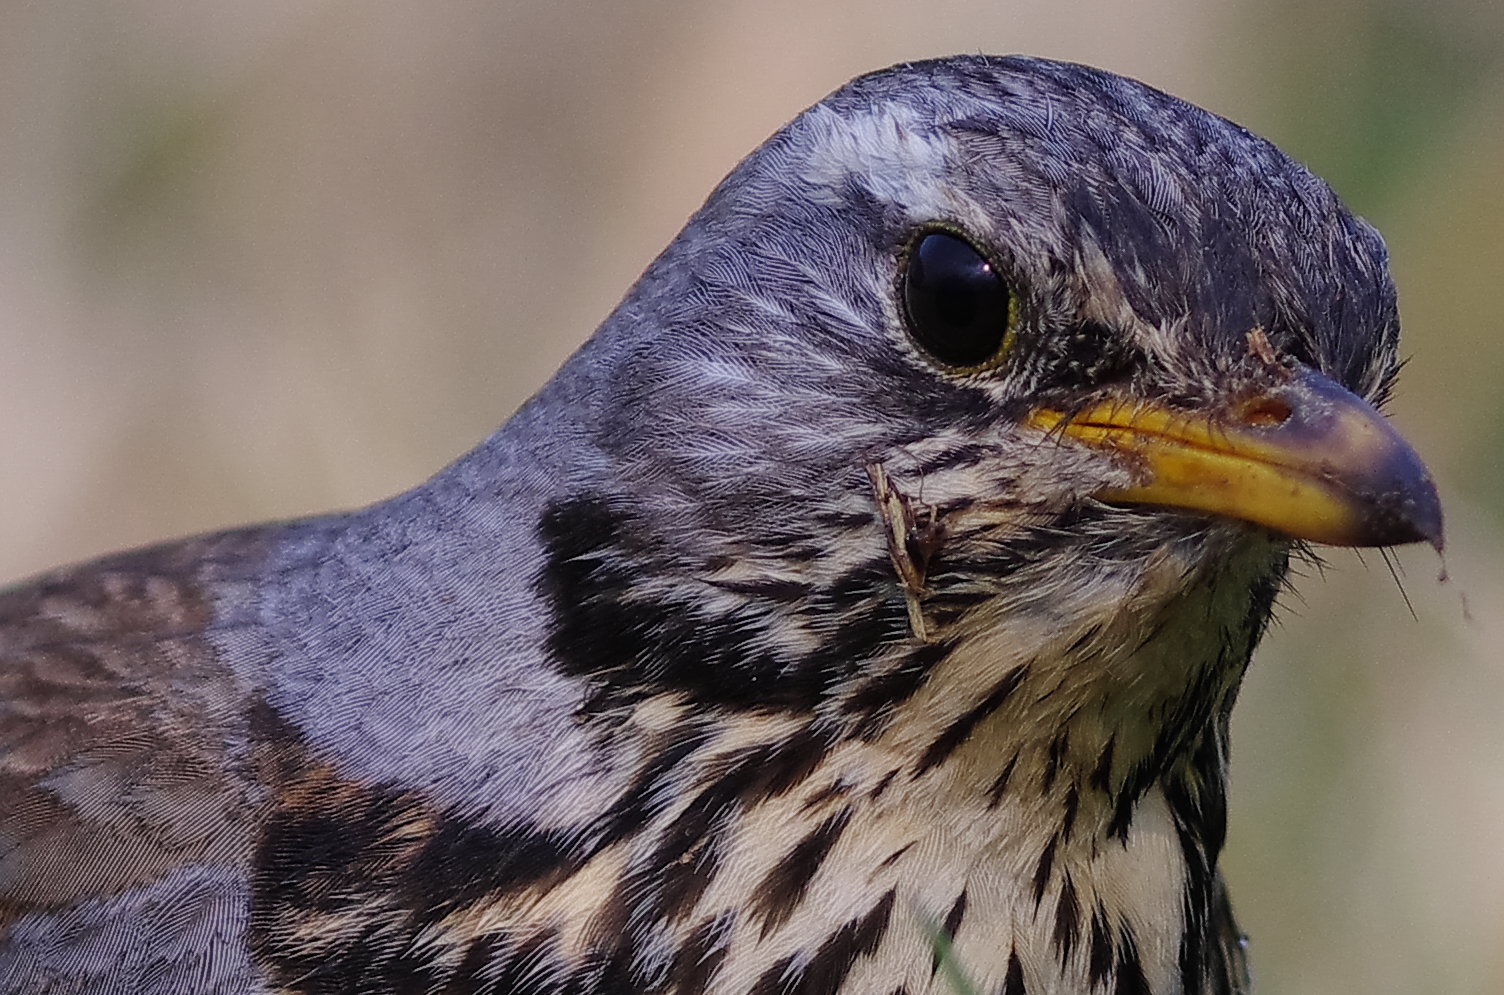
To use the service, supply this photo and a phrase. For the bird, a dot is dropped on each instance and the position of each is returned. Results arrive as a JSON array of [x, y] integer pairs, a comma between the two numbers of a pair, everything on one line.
[[860, 610]]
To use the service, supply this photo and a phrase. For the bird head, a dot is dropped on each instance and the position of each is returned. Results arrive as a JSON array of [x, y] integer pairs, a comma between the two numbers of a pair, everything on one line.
[[978, 352]]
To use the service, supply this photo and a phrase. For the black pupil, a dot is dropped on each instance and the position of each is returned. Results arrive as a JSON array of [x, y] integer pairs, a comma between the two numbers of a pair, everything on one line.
[[958, 306]]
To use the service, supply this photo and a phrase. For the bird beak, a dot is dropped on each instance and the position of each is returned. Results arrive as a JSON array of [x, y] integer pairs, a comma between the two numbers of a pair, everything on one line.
[[1308, 459]]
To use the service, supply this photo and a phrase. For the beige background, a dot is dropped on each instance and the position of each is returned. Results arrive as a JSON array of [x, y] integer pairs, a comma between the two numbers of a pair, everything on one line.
[[258, 260]]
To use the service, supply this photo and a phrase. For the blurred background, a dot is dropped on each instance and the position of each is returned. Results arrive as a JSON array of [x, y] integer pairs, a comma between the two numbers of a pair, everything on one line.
[[264, 259]]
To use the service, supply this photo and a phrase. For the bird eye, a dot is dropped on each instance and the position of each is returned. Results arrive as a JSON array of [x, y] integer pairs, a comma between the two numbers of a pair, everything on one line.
[[959, 308]]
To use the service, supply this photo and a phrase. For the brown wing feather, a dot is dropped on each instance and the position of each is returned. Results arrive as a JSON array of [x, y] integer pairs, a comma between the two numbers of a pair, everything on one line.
[[118, 729]]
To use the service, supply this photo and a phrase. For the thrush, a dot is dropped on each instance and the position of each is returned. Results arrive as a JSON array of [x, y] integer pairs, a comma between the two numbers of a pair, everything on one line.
[[859, 610]]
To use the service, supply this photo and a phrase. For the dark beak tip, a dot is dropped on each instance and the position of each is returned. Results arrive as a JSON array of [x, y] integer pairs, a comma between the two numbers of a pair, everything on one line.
[[1427, 518], [1410, 512]]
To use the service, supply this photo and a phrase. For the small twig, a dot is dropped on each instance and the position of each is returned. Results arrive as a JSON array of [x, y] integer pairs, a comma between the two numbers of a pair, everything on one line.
[[914, 533]]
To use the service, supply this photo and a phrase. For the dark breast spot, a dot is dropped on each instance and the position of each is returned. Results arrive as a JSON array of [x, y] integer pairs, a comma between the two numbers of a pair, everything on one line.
[[823, 971], [957, 732], [782, 889], [1130, 978], [1013, 983]]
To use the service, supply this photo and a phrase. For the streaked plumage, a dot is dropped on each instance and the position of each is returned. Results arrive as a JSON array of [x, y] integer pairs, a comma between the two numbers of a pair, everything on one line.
[[758, 646]]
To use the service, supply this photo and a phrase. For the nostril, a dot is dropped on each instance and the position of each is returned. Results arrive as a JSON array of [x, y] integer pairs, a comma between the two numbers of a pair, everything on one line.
[[1265, 412]]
